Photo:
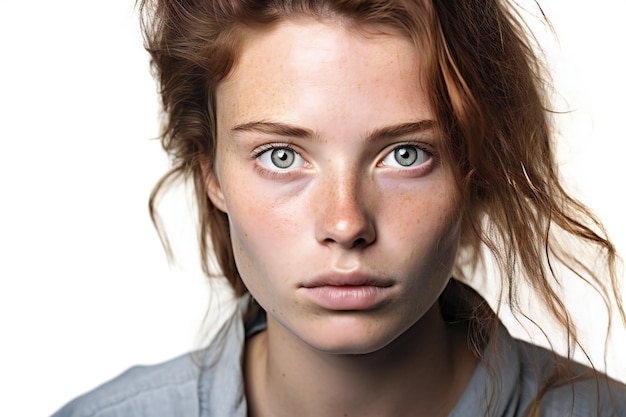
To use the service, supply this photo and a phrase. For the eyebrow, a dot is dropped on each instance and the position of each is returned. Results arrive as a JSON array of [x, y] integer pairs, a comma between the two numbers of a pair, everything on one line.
[[275, 128], [285, 129], [402, 129]]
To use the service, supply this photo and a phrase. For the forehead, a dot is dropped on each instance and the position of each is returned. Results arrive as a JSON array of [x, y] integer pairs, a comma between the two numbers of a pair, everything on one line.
[[298, 65]]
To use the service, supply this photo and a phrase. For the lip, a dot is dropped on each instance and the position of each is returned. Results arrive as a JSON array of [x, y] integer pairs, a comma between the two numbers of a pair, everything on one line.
[[344, 292]]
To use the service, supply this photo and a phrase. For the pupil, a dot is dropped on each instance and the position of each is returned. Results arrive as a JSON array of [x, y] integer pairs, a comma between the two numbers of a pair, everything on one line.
[[406, 156], [282, 158]]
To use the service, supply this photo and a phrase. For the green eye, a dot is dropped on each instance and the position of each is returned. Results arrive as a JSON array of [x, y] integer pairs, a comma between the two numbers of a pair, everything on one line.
[[406, 156], [280, 159]]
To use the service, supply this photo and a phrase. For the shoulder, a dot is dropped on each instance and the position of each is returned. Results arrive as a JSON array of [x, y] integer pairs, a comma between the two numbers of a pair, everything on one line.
[[166, 389], [576, 390], [207, 382], [515, 379]]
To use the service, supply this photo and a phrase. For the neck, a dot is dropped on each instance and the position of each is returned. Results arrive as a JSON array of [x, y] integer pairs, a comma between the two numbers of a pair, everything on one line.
[[421, 373]]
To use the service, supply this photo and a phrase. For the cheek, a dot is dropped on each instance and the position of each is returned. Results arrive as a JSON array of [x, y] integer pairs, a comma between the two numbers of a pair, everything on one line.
[[262, 230], [257, 218], [424, 225]]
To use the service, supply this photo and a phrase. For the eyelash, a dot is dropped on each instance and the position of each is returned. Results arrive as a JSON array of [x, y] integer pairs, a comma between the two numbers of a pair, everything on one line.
[[271, 146], [419, 145]]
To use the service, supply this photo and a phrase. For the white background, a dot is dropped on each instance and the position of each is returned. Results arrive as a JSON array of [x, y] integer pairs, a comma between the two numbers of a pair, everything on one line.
[[85, 289]]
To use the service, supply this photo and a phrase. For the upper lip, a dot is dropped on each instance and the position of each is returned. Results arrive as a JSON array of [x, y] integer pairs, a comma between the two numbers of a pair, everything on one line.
[[338, 279]]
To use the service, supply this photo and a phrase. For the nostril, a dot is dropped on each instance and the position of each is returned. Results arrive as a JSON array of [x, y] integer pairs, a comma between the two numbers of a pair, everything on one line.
[[360, 242]]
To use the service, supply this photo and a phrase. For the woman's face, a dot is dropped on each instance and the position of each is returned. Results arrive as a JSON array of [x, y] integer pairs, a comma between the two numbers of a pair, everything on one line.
[[342, 216]]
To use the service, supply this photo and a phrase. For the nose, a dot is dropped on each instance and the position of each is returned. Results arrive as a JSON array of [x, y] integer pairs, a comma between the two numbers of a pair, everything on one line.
[[343, 217]]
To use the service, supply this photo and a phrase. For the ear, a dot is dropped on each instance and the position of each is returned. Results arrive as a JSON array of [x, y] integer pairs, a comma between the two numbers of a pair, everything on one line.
[[213, 187], [214, 191]]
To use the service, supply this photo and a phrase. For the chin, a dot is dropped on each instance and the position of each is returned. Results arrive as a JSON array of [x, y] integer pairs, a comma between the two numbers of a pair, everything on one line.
[[353, 334]]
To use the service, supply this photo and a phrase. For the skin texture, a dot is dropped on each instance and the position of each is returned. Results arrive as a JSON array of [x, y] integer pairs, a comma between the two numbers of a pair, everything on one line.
[[344, 213]]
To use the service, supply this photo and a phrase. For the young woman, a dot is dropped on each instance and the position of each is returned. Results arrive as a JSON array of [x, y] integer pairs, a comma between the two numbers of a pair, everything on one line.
[[349, 158]]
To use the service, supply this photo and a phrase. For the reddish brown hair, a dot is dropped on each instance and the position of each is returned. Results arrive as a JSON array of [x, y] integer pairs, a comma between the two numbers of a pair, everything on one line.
[[486, 87]]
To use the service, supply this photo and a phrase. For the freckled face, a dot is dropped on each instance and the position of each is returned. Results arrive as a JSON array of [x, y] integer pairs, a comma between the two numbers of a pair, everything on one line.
[[342, 215]]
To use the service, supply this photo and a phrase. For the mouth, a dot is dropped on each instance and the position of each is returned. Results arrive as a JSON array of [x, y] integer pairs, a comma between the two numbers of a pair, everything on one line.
[[351, 292]]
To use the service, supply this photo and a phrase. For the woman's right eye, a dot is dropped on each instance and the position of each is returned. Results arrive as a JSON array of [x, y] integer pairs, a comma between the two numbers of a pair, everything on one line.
[[280, 159]]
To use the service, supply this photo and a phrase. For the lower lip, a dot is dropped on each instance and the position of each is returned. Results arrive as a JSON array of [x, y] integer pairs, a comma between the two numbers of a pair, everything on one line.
[[347, 297]]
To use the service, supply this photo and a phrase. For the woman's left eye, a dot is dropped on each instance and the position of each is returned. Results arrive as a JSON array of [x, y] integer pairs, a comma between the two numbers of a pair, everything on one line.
[[406, 156], [280, 159]]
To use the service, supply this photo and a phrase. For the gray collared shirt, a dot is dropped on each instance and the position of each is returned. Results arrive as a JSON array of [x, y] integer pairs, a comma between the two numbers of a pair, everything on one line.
[[209, 383]]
